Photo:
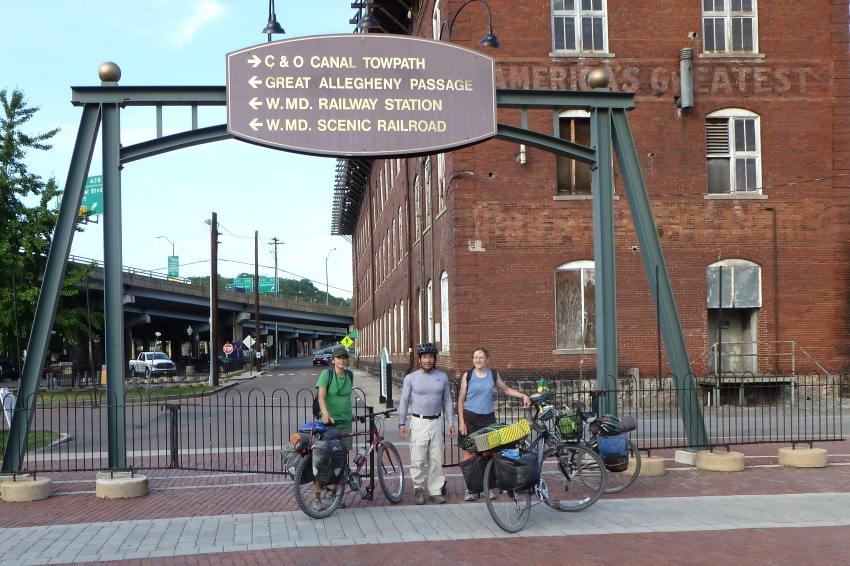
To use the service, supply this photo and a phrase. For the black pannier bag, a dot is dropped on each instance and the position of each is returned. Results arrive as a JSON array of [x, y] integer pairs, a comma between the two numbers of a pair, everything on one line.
[[330, 458], [291, 458], [473, 473], [520, 474]]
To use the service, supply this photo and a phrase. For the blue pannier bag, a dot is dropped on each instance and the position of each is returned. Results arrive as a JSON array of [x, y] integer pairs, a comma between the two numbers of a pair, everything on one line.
[[614, 451]]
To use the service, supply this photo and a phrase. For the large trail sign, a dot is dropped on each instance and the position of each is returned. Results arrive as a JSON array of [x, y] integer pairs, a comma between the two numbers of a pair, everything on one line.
[[360, 95]]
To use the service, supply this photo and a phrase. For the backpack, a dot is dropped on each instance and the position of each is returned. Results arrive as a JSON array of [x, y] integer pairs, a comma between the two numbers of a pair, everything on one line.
[[316, 408], [493, 372]]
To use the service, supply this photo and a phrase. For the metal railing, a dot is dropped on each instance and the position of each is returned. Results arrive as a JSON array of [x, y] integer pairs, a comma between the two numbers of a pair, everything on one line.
[[780, 354]]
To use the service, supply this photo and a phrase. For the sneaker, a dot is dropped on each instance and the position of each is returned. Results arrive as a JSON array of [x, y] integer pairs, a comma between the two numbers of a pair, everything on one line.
[[492, 494], [419, 496], [317, 504], [469, 496], [341, 505], [438, 499]]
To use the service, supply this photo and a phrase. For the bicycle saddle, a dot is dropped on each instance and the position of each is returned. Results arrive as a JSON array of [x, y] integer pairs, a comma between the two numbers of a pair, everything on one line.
[[540, 398]]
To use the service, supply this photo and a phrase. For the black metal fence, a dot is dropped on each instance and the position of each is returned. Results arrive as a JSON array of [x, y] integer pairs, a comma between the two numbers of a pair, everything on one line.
[[235, 431]]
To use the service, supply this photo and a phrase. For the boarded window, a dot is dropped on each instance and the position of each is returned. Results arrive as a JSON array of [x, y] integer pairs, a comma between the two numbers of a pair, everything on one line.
[[574, 177], [736, 286], [575, 299]]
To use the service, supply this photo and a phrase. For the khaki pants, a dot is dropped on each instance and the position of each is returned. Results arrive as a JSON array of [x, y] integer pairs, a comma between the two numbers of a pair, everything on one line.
[[427, 445]]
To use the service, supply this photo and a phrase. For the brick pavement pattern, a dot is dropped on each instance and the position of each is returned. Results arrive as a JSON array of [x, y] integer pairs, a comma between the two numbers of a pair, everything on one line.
[[785, 514]]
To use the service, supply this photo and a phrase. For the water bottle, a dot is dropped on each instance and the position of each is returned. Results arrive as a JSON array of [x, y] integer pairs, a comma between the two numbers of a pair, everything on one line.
[[360, 457]]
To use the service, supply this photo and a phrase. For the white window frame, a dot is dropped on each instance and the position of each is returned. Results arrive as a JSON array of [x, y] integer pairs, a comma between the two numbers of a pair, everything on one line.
[[427, 188], [583, 328], [729, 18], [579, 13], [436, 21], [444, 311], [402, 339], [401, 240], [740, 149], [417, 197], [430, 311], [441, 183]]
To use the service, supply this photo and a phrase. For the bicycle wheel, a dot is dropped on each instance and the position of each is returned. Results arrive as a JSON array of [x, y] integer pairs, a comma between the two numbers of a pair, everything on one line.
[[618, 481], [315, 505], [390, 472], [574, 476], [510, 509]]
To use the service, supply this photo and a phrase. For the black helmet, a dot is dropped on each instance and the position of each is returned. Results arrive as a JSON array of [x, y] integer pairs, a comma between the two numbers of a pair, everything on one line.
[[426, 348]]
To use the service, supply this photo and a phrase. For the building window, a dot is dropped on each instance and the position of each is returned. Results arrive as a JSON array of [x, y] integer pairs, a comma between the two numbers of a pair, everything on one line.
[[402, 337], [430, 311], [729, 26], [436, 22], [733, 151], [444, 310], [580, 25], [393, 240], [574, 177], [441, 183], [400, 235], [417, 197], [575, 306], [427, 189]]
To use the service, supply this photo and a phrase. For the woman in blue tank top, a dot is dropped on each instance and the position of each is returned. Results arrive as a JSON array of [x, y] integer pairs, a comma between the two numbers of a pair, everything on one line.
[[475, 399]]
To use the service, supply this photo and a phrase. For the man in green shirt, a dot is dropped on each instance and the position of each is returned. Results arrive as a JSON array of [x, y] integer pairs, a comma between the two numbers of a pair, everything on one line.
[[334, 387]]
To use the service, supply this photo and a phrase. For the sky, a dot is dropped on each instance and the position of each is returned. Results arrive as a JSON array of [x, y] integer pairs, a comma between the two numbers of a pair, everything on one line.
[[48, 46]]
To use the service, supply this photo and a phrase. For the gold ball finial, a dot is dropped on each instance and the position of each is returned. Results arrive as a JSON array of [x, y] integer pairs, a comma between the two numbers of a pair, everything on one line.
[[598, 78], [109, 72]]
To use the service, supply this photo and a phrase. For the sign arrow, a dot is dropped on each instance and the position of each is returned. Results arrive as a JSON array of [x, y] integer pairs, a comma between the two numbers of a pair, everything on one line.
[[254, 81], [255, 124], [254, 60], [255, 102]]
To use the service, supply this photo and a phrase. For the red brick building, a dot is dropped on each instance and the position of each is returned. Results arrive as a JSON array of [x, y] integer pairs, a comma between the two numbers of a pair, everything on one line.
[[493, 244]]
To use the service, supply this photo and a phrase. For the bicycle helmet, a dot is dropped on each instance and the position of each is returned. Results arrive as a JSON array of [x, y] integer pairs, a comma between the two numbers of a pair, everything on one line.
[[426, 348]]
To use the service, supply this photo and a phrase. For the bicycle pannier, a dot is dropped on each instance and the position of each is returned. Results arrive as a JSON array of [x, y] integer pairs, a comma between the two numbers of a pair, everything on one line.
[[520, 474], [330, 458], [473, 473], [291, 458], [614, 451]]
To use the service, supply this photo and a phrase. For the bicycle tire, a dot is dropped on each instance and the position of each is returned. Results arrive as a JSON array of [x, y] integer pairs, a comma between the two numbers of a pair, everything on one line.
[[305, 494], [583, 474], [390, 472], [510, 509]]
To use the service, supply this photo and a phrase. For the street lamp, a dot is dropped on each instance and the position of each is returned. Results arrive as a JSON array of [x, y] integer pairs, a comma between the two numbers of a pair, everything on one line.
[[272, 26], [191, 331], [327, 292], [169, 241], [213, 224], [489, 40]]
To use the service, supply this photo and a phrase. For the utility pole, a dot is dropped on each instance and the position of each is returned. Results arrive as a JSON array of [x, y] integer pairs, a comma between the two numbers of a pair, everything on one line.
[[275, 242], [257, 346], [214, 377]]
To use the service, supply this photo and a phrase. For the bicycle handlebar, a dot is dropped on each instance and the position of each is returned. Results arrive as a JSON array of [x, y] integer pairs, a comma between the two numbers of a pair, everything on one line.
[[385, 413]]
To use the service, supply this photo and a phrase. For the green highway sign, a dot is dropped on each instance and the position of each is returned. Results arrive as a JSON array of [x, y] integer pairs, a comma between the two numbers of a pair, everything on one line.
[[173, 266], [246, 283], [267, 285], [93, 196]]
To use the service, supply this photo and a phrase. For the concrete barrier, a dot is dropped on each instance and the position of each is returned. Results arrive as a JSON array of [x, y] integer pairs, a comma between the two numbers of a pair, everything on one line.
[[120, 485], [652, 466], [25, 488], [803, 457], [720, 461]]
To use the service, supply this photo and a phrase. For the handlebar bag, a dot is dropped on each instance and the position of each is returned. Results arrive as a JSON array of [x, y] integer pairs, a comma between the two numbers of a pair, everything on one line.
[[517, 474], [330, 458]]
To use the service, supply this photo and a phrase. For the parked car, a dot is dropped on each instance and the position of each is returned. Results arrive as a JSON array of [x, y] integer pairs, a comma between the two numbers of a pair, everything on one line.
[[321, 359], [153, 363], [7, 368], [225, 364]]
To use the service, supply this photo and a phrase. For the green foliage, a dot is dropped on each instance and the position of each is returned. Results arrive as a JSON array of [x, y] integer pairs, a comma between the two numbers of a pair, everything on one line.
[[26, 233]]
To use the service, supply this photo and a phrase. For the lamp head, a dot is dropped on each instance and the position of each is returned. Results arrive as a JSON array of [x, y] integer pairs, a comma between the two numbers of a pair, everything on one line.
[[490, 40], [367, 22], [157, 334], [190, 330]]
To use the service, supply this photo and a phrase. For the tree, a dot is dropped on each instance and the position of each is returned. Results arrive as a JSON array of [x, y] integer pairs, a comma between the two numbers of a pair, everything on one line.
[[26, 233]]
